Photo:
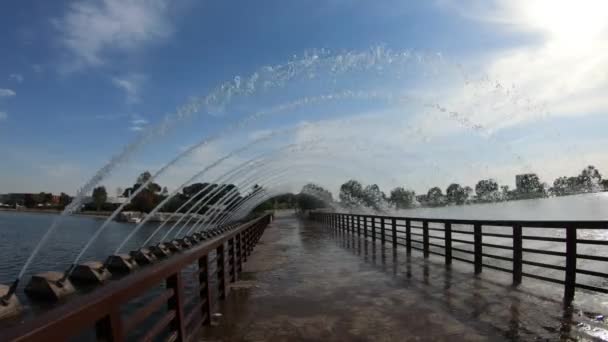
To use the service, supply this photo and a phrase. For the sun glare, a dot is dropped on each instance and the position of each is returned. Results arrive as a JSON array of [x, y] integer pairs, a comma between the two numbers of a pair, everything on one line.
[[569, 20]]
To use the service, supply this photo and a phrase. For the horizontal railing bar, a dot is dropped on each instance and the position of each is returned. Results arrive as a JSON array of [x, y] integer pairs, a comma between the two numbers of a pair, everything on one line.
[[539, 264], [160, 325], [463, 241], [461, 231], [552, 280], [496, 257], [436, 245], [485, 244], [592, 242], [540, 251], [578, 224], [592, 257], [463, 259], [196, 310], [498, 235], [144, 312], [462, 250], [592, 273], [591, 288], [436, 253], [417, 248], [543, 238], [436, 237], [498, 268]]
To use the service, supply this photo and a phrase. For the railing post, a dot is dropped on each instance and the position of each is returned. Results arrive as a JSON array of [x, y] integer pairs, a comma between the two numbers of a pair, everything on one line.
[[358, 225], [365, 227], [408, 236], [176, 302], [204, 281], [570, 264], [477, 245], [232, 256], [373, 229], [221, 272], [383, 236], [239, 252], [425, 238], [447, 230], [394, 231], [517, 254], [110, 328]]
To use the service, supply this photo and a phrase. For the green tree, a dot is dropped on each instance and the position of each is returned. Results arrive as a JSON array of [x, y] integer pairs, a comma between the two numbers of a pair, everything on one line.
[[402, 198], [529, 186], [456, 194], [318, 191], [561, 186], [351, 194], [486, 189], [589, 179], [373, 197], [100, 196], [434, 196]]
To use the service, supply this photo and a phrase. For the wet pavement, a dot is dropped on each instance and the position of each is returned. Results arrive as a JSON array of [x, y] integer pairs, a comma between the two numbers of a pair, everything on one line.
[[304, 282]]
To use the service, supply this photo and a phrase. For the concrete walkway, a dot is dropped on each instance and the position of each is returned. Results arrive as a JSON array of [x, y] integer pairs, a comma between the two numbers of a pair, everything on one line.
[[303, 283]]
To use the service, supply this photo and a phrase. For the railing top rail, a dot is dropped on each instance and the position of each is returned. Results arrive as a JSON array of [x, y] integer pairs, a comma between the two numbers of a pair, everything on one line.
[[85, 310], [591, 224]]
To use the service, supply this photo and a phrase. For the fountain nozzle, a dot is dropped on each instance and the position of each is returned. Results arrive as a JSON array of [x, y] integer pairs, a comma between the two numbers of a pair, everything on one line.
[[4, 300]]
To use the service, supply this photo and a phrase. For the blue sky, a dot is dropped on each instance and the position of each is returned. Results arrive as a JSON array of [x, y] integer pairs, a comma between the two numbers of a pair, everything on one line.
[[524, 81]]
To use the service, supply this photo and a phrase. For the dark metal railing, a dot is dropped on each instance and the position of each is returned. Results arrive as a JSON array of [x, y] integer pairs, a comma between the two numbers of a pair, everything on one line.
[[176, 316], [447, 238]]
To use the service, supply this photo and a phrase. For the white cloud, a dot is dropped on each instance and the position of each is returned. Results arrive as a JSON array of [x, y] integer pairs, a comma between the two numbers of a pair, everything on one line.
[[130, 84], [16, 77], [91, 28], [7, 92], [3, 116]]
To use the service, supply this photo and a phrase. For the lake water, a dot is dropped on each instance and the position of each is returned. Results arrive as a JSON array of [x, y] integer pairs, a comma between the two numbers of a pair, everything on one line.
[[19, 232], [577, 207]]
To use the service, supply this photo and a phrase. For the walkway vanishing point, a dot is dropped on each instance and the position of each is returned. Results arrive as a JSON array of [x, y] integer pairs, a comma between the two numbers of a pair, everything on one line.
[[337, 278]]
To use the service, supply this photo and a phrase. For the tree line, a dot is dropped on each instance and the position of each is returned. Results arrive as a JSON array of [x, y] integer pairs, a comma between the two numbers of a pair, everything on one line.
[[154, 194], [354, 194]]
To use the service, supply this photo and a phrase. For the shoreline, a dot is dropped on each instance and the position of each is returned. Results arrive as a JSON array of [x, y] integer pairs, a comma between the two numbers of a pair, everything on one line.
[[100, 214], [93, 214]]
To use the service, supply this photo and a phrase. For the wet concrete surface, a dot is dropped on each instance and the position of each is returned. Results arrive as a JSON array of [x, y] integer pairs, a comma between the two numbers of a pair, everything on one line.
[[304, 282]]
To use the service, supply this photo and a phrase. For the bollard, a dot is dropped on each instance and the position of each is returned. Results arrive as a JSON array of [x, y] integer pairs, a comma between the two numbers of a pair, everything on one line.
[[161, 250], [174, 246], [49, 286], [121, 263], [143, 256], [90, 272]]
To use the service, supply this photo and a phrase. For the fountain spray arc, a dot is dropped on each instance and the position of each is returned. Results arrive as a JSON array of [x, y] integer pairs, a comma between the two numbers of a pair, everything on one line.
[[264, 78]]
